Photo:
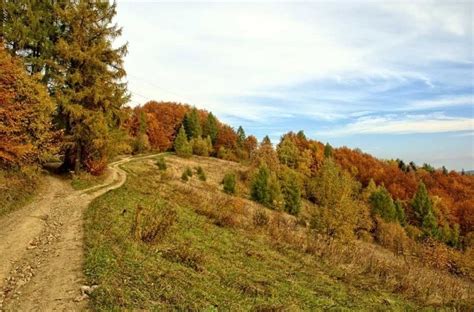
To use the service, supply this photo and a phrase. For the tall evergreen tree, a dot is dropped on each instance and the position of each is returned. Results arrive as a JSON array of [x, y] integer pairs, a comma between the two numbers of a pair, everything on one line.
[[182, 146], [211, 128], [31, 29], [241, 136], [327, 150], [192, 124], [423, 209], [291, 191], [382, 205], [90, 89]]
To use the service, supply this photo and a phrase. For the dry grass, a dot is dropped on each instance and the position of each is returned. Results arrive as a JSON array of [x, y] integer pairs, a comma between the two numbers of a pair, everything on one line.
[[355, 262], [152, 224]]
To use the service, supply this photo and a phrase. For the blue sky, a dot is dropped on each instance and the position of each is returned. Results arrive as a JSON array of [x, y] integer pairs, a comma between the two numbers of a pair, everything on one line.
[[394, 79]]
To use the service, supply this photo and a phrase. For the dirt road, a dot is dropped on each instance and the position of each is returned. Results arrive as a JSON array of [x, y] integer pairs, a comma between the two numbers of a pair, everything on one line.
[[41, 246]]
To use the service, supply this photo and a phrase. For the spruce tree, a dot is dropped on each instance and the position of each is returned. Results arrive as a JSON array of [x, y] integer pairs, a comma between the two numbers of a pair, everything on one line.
[[192, 124], [241, 136], [423, 209], [181, 145], [327, 150], [400, 213], [259, 189], [382, 205], [211, 128], [291, 191]]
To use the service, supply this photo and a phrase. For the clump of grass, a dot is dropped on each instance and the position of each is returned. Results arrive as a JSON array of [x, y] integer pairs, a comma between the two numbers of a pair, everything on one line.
[[229, 183], [201, 174], [150, 225], [186, 256], [161, 163], [260, 218]]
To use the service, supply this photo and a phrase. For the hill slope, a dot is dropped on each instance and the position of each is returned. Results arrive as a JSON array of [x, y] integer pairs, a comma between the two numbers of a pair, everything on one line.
[[214, 251]]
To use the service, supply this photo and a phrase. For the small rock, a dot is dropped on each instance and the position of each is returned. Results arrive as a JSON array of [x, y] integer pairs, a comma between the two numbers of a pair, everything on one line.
[[87, 290]]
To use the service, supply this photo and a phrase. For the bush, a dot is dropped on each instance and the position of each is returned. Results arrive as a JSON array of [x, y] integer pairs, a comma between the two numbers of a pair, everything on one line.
[[229, 183], [184, 176], [391, 236], [161, 163], [201, 174], [152, 224], [186, 256]]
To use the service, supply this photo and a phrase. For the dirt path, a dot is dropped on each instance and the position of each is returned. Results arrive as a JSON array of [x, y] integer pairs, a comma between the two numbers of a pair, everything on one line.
[[41, 246]]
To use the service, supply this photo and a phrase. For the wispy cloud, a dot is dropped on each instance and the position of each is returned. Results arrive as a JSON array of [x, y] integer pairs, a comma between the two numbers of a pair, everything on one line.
[[403, 124]]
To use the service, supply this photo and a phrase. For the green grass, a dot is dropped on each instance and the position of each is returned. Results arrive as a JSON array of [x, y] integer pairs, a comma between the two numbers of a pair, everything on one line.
[[201, 266], [85, 180]]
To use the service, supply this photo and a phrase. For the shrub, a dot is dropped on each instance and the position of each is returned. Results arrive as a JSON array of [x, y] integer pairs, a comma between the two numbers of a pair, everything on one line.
[[187, 173], [151, 224], [161, 163], [185, 255], [201, 174], [229, 183], [391, 236]]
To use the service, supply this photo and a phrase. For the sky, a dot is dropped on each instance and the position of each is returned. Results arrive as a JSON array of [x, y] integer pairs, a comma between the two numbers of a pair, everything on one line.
[[395, 79]]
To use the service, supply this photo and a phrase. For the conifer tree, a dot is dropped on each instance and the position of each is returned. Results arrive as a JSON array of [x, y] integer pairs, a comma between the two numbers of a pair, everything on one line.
[[259, 189], [327, 150], [382, 205], [90, 91], [181, 145], [423, 209], [192, 124], [291, 191], [400, 213], [211, 128], [241, 136]]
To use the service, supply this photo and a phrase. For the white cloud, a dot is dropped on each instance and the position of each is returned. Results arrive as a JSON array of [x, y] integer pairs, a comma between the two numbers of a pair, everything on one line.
[[441, 102], [403, 124], [204, 52]]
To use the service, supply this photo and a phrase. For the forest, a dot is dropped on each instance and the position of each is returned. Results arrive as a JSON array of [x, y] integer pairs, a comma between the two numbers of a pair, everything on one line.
[[63, 96]]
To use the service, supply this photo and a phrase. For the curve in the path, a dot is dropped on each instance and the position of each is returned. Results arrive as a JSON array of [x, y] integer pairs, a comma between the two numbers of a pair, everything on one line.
[[41, 246]]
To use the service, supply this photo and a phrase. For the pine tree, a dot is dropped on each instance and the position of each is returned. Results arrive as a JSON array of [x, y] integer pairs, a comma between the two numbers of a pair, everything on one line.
[[382, 205], [240, 137], [30, 29], [421, 203], [259, 189], [181, 145], [400, 213], [291, 191], [211, 128], [192, 124], [327, 150], [229, 183], [89, 88]]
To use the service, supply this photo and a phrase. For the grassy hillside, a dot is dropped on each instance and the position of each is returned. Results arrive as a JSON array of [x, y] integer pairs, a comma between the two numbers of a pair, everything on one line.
[[159, 243]]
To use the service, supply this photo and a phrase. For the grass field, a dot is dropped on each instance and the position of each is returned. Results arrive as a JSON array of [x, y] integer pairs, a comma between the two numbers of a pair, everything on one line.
[[17, 188], [209, 260]]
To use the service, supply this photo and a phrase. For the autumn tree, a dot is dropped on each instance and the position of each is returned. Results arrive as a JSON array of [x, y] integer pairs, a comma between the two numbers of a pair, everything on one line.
[[336, 215], [25, 115], [182, 146], [288, 152]]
